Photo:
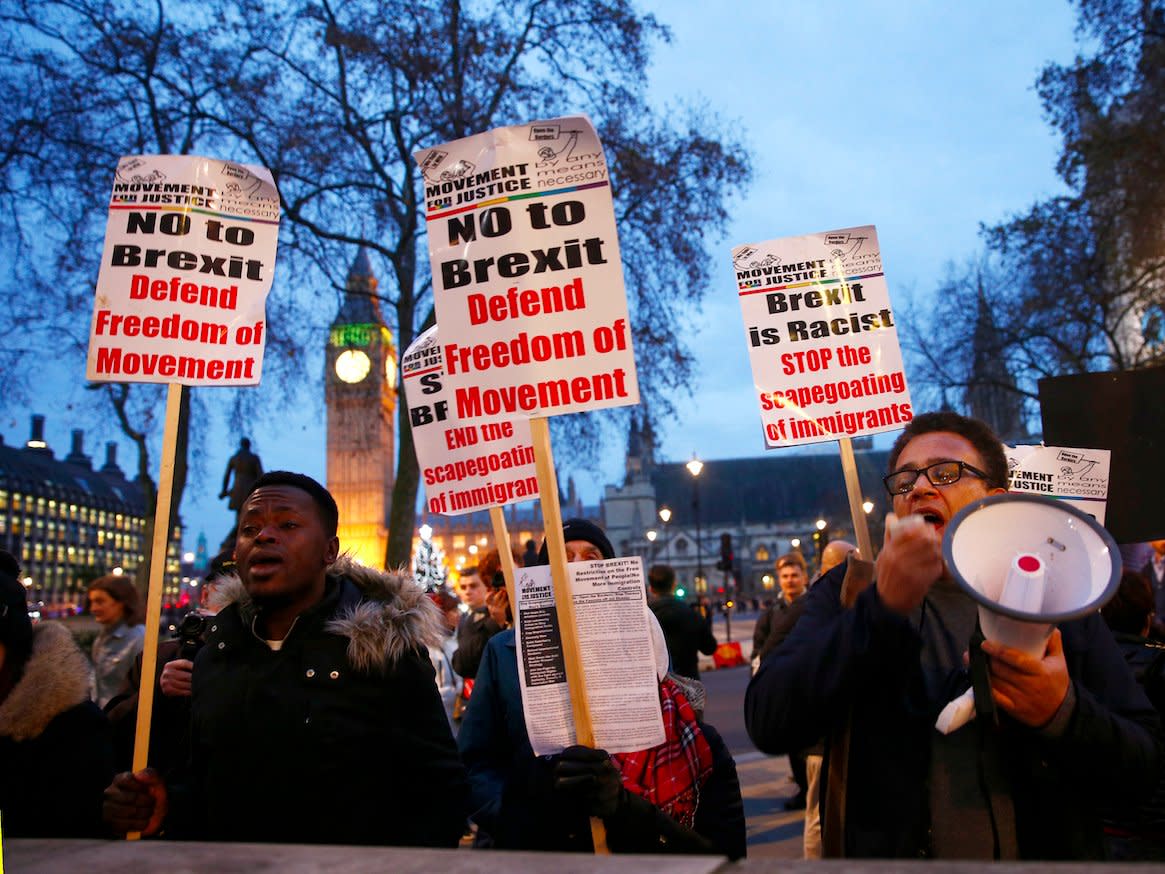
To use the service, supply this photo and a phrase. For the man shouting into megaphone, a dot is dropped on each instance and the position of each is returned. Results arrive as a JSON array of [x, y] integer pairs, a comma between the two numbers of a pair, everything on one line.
[[1074, 730]]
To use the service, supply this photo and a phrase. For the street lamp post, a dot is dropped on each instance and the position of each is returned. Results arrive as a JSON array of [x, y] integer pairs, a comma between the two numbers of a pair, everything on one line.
[[820, 538], [665, 517], [651, 534], [694, 467]]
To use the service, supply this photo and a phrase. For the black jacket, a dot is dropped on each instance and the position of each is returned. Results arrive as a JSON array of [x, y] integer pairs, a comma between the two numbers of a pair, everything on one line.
[[56, 752], [473, 632], [686, 633], [866, 660], [339, 737]]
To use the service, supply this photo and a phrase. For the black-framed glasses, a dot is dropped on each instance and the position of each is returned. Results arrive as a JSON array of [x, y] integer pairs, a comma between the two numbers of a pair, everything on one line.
[[941, 473]]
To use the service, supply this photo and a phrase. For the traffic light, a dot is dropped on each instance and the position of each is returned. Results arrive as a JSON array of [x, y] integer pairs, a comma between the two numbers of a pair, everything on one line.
[[726, 560]]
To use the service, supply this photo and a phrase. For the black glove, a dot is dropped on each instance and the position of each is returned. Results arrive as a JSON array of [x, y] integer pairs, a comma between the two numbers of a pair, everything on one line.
[[590, 778]]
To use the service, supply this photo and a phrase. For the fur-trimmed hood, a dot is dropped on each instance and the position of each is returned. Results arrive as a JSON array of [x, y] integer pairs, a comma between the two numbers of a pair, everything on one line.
[[55, 679], [392, 617]]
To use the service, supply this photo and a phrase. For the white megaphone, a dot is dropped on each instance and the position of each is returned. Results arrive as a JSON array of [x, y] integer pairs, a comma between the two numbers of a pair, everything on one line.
[[1030, 562]]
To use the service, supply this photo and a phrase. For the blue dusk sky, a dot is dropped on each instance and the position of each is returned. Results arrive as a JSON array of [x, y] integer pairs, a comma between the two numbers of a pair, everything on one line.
[[918, 117]]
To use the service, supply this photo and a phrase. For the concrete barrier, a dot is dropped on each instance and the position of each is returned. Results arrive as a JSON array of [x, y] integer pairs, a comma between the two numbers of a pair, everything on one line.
[[118, 857]]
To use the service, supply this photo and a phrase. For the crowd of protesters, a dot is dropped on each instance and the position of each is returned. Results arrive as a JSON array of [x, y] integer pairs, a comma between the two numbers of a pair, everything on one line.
[[312, 699]]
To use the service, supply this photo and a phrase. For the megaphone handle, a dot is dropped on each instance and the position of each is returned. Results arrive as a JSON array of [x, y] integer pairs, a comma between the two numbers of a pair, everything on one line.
[[981, 678]]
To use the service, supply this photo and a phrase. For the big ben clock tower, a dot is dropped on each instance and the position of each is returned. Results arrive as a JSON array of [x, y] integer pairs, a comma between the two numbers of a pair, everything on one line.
[[361, 399]]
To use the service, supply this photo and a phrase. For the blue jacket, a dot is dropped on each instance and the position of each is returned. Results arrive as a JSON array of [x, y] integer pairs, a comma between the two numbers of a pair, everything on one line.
[[511, 790]]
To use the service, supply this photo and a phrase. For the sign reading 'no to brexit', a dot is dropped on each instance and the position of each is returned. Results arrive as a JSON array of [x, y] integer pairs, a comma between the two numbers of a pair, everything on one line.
[[188, 262], [527, 278]]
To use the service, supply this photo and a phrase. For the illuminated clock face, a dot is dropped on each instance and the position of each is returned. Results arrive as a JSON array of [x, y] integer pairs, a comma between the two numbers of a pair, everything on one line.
[[352, 365], [390, 373]]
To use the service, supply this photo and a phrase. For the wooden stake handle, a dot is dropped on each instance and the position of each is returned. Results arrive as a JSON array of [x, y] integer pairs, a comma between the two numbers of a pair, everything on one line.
[[563, 602], [853, 490], [158, 555]]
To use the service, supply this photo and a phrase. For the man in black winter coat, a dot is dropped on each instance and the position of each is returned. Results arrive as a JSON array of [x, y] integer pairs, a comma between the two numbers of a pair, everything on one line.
[[685, 631], [314, 715]]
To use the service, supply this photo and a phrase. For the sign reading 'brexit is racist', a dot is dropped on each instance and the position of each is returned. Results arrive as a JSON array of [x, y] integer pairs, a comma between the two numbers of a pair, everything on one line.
[[188, 262], [528, 283], [821, 337]]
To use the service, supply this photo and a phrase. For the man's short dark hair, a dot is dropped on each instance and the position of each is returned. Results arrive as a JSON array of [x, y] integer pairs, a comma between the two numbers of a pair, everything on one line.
[[975, 432], [325, 503], [661, 578]]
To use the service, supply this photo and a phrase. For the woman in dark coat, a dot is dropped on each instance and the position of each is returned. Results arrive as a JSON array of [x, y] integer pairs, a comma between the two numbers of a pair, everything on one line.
[[56, 754]]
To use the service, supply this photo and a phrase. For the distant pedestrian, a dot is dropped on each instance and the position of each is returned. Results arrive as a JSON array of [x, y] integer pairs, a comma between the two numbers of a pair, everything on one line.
[[686, 632], [114, 603]]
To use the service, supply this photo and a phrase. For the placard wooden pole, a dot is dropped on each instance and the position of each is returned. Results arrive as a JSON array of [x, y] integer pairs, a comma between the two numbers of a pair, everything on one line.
[[853, 490], [497, 516], [563, 602], [158, 555]]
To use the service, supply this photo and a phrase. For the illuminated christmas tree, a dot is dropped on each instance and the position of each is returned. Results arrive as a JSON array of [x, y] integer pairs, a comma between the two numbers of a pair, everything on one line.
[[428, 562]]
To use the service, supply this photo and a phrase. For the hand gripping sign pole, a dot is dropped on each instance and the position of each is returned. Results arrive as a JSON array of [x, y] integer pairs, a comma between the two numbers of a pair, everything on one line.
[[563, 600], [193, 318], [158, 550]]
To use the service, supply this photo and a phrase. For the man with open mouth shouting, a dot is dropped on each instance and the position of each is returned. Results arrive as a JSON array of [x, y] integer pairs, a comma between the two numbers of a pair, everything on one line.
[[314, 713], [1074, 731]]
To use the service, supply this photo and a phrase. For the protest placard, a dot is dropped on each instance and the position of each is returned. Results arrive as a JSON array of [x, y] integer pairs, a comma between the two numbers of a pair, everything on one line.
[[821, 337], [1076, 476], [188, 261], [622, 684], [465, 466], [527, 277]]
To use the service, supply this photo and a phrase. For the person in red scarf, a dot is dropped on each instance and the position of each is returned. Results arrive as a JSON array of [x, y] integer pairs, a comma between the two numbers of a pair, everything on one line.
[[682, 796]]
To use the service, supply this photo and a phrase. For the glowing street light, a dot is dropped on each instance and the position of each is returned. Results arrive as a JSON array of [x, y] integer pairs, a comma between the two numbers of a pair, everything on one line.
[[665, 517], [694, 467]]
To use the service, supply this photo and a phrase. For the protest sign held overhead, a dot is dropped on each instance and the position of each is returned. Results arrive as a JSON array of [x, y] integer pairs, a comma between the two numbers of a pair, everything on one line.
[[821, 337], [465, 466], [527, 278], [188, 261]]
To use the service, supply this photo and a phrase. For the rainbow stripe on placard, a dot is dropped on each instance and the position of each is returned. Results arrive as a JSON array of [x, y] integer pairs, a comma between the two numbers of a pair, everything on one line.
[[142, 207], [526, 196], [832, 281]]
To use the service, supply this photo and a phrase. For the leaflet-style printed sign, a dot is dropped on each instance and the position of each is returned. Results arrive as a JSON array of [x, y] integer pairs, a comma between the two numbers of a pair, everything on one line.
[[527, 277], [188, 262], [821, 337], [1076, 476], [618, 656], [465, 466]]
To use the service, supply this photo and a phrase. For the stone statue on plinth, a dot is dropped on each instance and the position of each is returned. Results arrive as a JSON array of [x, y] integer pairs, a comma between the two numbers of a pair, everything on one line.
[[247, 468]]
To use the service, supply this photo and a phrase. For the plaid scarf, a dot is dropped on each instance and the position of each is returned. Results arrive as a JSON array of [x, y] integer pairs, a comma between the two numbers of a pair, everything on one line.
[[671, 775]]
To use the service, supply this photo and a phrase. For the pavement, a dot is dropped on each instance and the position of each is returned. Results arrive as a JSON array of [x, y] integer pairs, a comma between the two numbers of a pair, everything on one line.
[[765, 781]]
